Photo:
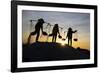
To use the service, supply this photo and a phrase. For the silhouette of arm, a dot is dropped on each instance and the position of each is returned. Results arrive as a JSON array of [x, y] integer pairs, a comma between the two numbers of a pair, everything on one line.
[[58, 31], [74, 31]]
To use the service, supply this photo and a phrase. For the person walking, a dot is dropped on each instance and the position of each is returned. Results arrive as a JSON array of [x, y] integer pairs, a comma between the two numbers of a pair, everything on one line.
[[38, 27], [55, 31]]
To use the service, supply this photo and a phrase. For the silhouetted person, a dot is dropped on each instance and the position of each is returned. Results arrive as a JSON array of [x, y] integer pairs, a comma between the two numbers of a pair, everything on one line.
[[54, 32], [38, 26], [69, 35]]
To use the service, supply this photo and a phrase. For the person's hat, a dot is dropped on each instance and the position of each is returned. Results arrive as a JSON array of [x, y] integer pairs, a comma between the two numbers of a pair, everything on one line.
[[41, 20], [69, 28]]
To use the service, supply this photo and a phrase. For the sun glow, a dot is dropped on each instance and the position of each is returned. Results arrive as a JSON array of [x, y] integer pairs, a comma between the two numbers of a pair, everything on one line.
[[63, 43]]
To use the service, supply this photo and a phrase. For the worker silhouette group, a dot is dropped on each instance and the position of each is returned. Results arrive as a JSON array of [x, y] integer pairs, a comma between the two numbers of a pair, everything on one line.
[[55, 32]]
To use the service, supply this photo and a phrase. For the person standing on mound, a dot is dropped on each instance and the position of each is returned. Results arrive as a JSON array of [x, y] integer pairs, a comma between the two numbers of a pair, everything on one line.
[[69, 35], [55, 31]]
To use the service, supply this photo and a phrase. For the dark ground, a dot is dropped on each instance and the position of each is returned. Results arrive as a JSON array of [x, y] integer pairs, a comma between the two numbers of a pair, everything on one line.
[[51, 52]]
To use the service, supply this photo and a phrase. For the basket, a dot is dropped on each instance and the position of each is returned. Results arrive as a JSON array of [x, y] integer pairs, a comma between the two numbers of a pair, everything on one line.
[[60, 36], [75, 39], [50, 34], [63, 39], [44, 33]]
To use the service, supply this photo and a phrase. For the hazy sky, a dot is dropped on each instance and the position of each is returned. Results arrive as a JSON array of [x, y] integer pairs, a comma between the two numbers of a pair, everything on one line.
[[78, 21]]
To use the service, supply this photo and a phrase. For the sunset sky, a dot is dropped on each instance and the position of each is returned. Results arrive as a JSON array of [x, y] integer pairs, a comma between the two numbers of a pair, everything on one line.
[[78, 21]]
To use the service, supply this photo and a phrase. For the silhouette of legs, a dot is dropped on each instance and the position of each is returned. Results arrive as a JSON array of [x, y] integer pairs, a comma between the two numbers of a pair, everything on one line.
[[69, 42], [29, 38], [37, 37], [53, 39]]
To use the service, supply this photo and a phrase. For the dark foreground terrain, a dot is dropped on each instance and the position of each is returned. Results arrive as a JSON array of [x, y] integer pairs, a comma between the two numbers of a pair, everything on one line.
[[52, 51]]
